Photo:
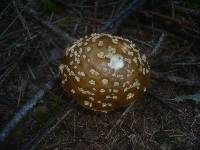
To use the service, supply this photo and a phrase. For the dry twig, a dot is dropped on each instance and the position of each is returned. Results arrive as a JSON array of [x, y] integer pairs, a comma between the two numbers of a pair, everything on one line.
[[183, 10], [172, 24], [116, 21], [25, 109], [50, 27], [175, 79], [23, 21], [156, 49], [12, 23], [161, 100], [51, 126], [119, 121]]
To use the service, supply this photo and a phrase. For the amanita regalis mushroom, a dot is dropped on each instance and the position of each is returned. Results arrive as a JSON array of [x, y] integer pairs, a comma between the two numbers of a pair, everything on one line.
[[104, 72]]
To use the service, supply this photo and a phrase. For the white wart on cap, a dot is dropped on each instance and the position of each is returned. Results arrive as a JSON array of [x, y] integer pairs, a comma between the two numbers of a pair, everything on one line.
[[104, 72]]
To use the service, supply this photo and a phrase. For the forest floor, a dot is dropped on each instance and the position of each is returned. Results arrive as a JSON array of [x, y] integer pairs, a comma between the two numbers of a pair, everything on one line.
[[167, 117]]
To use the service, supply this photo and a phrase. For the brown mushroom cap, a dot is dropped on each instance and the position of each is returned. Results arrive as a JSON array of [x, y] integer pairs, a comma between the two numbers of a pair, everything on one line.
[[104, 72]]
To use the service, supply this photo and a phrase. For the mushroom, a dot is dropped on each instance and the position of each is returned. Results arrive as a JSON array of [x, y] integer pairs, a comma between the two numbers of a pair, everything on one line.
[[104, 72]]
